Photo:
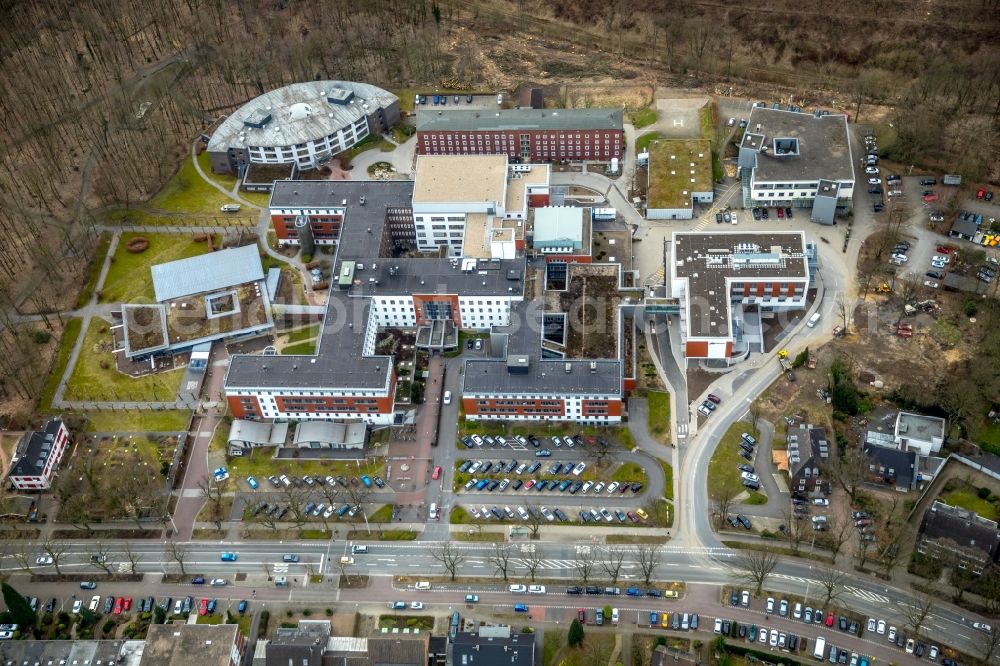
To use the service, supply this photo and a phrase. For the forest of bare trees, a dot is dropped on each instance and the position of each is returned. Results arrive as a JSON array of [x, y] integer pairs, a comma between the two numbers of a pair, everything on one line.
[[102, 98]]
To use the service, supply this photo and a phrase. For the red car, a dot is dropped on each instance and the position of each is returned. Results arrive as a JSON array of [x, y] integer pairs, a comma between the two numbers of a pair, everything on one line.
[[941, 249], [981, 193], [128, 603], [119, 602], [930, 198], [581, 615], [203, 607], [530, 484], [829, 620], [437, 473], [781, 212], [714, 398]]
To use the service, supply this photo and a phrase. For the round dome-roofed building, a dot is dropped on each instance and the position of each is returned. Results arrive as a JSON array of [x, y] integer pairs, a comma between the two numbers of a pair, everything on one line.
[[304, 124]]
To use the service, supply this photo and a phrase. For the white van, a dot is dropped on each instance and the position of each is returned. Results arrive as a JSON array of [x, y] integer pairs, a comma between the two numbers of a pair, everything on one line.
[[812, 320], [819, 648], [614, 616], [433, 513]]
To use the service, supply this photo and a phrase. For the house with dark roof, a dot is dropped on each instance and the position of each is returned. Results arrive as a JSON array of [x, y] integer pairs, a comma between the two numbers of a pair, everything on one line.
[[808, 454], [959, 536], [493, 646], [37, 457], [892, 467]]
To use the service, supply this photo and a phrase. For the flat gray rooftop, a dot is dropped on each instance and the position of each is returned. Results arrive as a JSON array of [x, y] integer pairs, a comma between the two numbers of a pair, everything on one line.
[[299, 112], [405, 276], [206, 272], [443, 120], [523, 338], [333, 193], [919, 426], [824, 146], [707, 260], [338, 362], [544, 376]]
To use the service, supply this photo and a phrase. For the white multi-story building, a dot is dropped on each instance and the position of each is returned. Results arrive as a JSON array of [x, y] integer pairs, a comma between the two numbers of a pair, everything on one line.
[[459, 197], [304, 124], [726, 280], [788, 157]]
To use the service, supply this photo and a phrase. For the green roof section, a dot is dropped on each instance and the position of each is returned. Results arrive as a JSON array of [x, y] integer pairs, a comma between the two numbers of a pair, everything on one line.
[[677, 169]]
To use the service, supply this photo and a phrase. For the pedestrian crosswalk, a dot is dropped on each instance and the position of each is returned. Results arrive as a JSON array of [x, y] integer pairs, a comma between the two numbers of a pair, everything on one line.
[[657, 277]]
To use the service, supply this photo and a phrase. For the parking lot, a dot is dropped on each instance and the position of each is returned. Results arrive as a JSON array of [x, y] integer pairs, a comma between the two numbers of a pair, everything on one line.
[[460, 101]]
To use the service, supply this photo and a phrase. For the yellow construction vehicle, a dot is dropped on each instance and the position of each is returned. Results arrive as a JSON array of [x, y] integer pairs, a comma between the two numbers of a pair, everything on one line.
[[783, 353], [884, 288]]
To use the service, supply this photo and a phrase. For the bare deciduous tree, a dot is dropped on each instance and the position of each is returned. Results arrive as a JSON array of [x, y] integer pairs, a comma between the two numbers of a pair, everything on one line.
[[755, 566], [649, 558], [916, 613], [178, 552], [55, 550], [612, 562], [500, 558], [989, 641], [532, 560], [133, 558], [723, 497], [584, 563], [832, 581], [213, 492], [98, 552], [449, 557]]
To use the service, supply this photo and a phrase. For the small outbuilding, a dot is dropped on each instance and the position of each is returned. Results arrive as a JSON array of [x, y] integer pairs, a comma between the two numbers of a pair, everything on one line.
[[330, 435], [246, 435]]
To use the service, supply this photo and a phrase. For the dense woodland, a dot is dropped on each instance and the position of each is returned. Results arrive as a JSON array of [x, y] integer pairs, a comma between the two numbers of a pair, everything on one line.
[[74, 75]]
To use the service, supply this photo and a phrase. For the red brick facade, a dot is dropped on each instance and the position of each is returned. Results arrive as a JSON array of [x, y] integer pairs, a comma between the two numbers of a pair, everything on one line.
[[530, 145], [325, 227], [420, 307]]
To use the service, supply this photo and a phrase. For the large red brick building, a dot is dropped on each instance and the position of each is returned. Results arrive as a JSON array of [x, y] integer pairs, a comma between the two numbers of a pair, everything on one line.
[[528, 135]]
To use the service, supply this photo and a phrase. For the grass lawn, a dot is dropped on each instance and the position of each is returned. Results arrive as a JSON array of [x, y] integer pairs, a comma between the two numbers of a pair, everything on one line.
[[668, 477], [134, 420], [91, 381], [989, 438], [459, 516], [383, 515], [625, 437], [706, 122], [658, 416], [224, 179], [129, 279], [70, 334], [964, 495], [95, 269], [552, 642], [187, 192], [367, 143], [261, 465], [261, 199], [220, 438], [210, 619], [643, 141], [304, 333], [630, 471], [722, 469], [644, 117], [756, 498], [300, 348]]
